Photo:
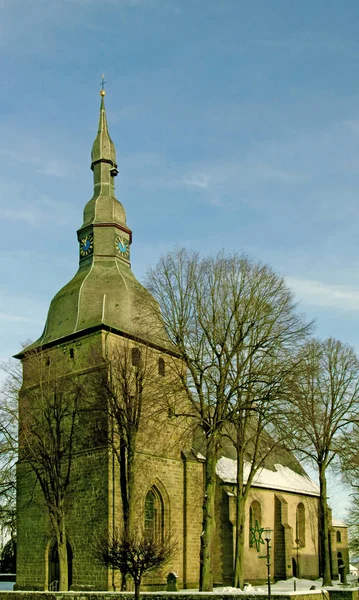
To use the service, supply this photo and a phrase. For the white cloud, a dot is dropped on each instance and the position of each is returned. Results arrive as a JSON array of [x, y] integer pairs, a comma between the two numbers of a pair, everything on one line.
[[33, 208], [55, 168], [11, 318], [201, 181], [342, 297], [43, 165]]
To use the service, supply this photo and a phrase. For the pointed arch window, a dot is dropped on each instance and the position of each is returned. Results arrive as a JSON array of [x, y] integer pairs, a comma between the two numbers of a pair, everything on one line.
[[255, 514], [154, 514], [300, 525]]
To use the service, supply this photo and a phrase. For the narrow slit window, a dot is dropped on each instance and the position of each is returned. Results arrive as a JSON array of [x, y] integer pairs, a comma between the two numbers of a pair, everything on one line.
[[136, 357], [300, 525], [161, 367]]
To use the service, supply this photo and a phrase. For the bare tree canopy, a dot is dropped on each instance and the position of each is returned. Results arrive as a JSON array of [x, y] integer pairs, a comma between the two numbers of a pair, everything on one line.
[[135, 554], [327, 395], [233, 321], [324, 406], [9, 446]]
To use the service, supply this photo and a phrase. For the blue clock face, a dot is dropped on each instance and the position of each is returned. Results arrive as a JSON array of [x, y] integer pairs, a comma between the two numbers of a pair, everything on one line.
[[122, 246], [86, 245]]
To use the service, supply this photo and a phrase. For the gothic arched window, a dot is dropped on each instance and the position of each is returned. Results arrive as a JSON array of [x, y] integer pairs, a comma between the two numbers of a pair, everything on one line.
[[339, 537], [300, 525], [154, 514], [255, 515]]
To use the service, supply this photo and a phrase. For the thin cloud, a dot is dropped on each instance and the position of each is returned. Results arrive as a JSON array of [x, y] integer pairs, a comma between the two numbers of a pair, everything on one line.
[[54, 167], [201, 181], [317, 293], [11, 318], [28, 216]]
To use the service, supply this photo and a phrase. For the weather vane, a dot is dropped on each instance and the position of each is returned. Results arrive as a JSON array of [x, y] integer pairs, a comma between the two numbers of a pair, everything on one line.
[[102, 92]]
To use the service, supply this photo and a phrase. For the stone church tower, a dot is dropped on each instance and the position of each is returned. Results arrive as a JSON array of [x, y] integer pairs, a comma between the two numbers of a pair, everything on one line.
[[105, 311]]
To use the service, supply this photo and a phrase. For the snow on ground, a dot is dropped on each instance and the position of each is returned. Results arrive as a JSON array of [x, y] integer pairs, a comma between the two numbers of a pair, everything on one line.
[[278, 587]]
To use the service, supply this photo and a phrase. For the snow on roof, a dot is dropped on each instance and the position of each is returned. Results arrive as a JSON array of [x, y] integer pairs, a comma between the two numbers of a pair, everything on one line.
[[200, 456], [283, 478], [338, 523]]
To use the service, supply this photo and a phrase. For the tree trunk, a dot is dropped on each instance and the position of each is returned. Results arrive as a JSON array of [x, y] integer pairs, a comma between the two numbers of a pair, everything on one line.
[[240, 514], [123, 482], [58, 524], [137, 589], [324, 528], [63, 560], [239, 557], [206, 575], [127, 485], [241, 500], [130, 481]]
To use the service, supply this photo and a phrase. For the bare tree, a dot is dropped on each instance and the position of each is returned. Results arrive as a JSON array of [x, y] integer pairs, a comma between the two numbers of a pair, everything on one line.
[[49, 435], [135, 554], [255, 414], [8, 447], [221, 313], [127, 393], [324, 406], [349, 468], [263, 369]]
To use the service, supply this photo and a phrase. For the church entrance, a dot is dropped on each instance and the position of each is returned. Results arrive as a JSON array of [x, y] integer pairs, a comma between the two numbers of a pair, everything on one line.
[[294, 567], [54, 567]]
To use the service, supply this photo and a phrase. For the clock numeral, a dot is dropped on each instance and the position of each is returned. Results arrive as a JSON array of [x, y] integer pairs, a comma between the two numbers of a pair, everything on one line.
[[86, 245], [122, 246]]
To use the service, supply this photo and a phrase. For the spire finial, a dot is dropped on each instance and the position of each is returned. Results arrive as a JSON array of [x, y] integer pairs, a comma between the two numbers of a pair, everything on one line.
[[102, 92], [103, 149]]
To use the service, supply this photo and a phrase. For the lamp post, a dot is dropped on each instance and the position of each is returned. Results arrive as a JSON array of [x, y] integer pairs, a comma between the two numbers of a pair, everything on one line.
[[297, 541], [267, 537], [256, 539]]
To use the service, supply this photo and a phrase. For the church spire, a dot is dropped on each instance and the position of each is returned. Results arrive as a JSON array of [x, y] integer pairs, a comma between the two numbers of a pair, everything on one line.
[[104, 209], [103, 155]]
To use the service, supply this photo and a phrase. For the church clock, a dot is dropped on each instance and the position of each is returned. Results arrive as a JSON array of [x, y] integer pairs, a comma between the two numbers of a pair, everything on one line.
[[122, 247], [86, 245]]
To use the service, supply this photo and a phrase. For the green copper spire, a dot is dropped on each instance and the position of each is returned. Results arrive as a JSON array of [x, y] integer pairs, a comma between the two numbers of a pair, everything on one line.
[[104, 206], [103, 149]]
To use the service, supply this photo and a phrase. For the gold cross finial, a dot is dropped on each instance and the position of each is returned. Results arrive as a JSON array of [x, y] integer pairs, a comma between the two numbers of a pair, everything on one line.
[[102, 92]]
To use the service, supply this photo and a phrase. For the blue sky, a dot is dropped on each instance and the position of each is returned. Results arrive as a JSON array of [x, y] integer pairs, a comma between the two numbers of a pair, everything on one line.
[[236, 124]]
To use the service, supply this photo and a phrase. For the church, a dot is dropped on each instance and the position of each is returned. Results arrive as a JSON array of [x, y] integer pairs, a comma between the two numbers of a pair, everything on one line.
[[102, 311]]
